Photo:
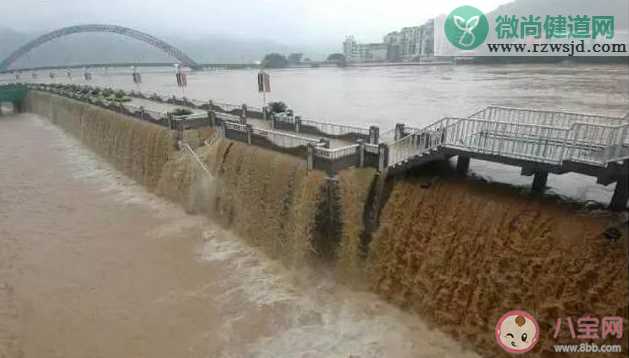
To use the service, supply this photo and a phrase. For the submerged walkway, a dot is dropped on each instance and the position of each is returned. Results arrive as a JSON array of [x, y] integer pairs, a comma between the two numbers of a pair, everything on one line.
[[539, 142]]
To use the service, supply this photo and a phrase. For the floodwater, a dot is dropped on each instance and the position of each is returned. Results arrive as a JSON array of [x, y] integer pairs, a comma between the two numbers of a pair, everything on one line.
[[91, 265], [415, 95]]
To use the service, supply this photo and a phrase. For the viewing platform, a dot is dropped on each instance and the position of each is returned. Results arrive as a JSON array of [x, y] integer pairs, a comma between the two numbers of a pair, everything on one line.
[[539, 142]]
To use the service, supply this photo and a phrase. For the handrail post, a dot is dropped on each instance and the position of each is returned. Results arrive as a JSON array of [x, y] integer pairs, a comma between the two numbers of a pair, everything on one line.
[[297, 123]]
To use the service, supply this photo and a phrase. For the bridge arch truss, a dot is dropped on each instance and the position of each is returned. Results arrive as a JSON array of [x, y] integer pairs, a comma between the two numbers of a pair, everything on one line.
[[121, 30]]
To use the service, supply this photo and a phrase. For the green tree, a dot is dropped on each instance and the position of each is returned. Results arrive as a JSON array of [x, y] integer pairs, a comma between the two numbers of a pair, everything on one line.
[[336, 57], [295, 58], [274, 60], [278, 107]]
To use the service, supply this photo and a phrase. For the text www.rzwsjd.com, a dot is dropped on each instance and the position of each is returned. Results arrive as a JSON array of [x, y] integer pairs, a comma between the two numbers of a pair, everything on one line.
[[569, 49]]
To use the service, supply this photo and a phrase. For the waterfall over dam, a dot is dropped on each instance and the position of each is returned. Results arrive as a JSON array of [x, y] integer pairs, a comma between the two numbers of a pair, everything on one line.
[[457, 252]]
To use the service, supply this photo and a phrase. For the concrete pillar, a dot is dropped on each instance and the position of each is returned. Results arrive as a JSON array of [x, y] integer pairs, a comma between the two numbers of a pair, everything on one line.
[[212, 118], [383, 157], [210, 105], [297, 123], [539, 182], [141, 112], [361, 153], [374, 134], [399, 131], [169, 116], [243, 113], [249, 133], [462, 164], [621, 193], [310, 156]]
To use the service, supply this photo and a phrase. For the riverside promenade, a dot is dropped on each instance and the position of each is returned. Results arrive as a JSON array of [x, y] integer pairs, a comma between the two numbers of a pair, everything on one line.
[[539, 142]]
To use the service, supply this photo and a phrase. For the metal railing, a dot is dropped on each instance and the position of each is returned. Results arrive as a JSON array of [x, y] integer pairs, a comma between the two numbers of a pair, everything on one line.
[[226, 107], [417, 143], [334, 129], [549, 118], [541, 143], [191, 116], [284, 140], [596, 144], [336, 153], [372, 148], [228, 117], [235, 126], [255, 108]]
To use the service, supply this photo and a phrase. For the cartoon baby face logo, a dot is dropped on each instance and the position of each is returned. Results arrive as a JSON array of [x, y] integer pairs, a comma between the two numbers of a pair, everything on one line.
[[517, 332]]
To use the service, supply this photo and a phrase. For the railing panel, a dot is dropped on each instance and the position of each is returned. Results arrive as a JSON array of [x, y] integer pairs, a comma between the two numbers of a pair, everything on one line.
[[540, 117], [283, 139], [336, 153], [334, 129]]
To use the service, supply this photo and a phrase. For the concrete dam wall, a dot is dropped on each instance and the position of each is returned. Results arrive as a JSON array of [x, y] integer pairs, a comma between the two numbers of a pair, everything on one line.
[[457, 252]]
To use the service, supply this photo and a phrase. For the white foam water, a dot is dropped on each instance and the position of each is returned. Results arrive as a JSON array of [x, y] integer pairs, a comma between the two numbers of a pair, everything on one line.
[[318, 318]]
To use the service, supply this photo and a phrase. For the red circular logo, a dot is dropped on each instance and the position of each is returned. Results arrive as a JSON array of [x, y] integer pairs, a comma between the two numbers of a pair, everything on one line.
[[517, 332]]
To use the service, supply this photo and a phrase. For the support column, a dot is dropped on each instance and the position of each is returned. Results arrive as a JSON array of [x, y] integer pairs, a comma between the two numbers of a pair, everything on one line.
[[297, 123], [169, 116], [249, 133], [462, 165], [399, 131], [212, 117], [621, 193], [310, 157], [361, 153], [539, 182], [383, 157], [374, 134], [243, 113]]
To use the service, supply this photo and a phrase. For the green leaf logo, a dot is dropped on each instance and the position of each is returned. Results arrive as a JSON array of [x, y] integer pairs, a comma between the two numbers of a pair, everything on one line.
[[466, 27]]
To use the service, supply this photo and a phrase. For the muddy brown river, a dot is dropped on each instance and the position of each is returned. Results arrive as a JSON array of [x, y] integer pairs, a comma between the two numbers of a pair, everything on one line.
[[91, 265]]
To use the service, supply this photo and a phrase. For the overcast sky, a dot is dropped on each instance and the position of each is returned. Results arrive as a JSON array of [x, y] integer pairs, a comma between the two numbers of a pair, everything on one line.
[[315, 22]]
